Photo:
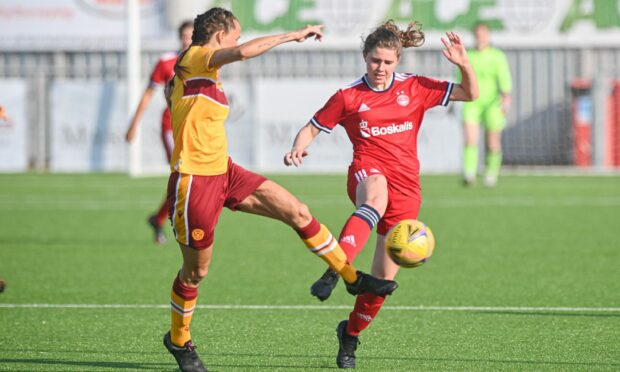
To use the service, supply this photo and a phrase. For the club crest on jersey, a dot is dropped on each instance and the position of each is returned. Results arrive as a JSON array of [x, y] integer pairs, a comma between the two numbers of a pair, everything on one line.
[[402, 99], [364, 131]]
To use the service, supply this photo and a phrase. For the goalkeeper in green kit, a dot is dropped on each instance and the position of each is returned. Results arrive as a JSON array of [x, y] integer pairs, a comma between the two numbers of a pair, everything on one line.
[[489, 110]]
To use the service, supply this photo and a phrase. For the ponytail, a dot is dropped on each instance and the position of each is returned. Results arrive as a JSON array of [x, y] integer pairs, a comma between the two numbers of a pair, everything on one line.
[[389, 36]]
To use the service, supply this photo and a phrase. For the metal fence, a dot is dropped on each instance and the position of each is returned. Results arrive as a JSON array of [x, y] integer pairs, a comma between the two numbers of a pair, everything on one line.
[[539, 125]]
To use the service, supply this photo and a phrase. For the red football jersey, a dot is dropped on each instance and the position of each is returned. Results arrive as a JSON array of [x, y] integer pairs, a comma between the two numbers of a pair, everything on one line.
[[162, 73], [383, 125]]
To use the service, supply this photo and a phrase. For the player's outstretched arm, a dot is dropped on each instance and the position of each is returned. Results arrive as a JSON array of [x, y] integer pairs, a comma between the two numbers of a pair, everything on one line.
[[304, 138], [135, 121], [455, 52], [258, 46]]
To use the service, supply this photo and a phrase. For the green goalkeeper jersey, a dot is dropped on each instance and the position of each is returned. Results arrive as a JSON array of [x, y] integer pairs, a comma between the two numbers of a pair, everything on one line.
[[493, 73]]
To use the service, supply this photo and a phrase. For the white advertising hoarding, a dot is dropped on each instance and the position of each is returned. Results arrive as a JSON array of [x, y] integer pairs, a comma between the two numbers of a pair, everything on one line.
[[88, 122], [79, 25], [100, 24], [13, 128], [283, 106]]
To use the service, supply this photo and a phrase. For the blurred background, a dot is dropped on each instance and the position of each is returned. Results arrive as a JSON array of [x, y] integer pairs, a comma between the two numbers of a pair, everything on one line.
[[64, 73]]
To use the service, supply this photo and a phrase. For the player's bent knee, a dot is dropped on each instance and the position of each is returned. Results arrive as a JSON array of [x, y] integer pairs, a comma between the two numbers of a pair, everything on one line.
[[193, 276], [303, 211], [378, 202], [301, 215]]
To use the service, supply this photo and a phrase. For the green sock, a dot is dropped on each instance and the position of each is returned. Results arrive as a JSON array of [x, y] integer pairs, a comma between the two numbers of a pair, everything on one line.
[[494, 162], [470, 161]]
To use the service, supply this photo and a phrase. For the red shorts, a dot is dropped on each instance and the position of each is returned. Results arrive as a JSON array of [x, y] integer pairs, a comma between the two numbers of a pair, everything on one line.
[[197, 201], [168, 140], [166, 134], [400, 206]]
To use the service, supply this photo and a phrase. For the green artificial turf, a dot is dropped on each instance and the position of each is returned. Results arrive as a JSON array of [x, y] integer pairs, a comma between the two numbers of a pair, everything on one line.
[[524, 277]]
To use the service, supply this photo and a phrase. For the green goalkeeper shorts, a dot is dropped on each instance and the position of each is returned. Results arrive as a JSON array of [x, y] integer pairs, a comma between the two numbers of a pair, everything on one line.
[[490, 115]]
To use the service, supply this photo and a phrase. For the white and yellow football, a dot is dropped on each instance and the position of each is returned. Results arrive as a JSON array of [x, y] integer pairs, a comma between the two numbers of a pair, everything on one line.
[[410, 243]]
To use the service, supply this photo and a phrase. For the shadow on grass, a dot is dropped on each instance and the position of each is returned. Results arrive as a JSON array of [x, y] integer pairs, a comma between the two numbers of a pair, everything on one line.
[[400, 358], [81, 352], [31, 241], [206, 356], [86, 364]]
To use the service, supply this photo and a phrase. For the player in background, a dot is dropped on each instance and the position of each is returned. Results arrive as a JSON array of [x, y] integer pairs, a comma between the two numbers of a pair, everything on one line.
[[204, 178], [3, 117], [161, 74], [382, 113], [491, 68], [3, 114]]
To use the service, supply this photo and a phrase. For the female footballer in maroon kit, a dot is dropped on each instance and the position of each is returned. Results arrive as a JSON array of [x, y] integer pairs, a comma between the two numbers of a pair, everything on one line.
[[382, 113]]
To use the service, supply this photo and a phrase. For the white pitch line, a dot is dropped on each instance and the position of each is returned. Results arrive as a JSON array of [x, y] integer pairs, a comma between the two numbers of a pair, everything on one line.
[[319, 307], [72, 204]]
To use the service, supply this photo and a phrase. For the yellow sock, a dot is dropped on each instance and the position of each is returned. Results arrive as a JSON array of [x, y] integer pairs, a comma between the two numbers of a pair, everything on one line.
[[327, 248], [182, 311]]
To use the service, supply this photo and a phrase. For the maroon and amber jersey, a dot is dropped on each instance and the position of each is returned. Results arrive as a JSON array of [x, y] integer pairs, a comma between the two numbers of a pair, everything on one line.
[[383, 125], [162, 73]]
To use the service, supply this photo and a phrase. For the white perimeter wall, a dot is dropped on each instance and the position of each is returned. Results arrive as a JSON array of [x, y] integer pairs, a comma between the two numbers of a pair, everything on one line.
[[88, 124], [13, 132]]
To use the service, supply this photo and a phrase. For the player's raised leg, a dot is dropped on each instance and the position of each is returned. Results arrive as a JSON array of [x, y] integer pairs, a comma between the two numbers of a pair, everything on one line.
[[274, 201], [370, 194]]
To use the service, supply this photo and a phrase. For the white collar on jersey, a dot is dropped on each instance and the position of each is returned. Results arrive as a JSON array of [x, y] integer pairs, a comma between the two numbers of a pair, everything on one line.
[[365, 79]]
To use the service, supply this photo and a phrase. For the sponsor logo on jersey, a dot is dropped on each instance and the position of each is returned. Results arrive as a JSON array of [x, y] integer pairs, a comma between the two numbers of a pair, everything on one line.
[[363, 108], [364, 131], [385, 131]]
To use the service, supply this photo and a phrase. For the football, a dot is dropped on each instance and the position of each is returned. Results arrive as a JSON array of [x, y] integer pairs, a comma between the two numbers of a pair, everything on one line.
[[410, 243]]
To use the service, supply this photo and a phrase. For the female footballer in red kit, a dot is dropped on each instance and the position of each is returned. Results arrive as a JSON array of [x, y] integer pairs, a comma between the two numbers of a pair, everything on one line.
[[382, 113]]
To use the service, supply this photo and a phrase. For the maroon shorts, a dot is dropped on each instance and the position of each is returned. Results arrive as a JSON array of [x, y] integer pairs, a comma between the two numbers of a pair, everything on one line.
[[401, 206], [197, 201]]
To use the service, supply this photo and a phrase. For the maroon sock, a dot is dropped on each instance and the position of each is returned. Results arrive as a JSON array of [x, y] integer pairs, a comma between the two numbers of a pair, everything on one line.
[[183, 291], [310, 229]]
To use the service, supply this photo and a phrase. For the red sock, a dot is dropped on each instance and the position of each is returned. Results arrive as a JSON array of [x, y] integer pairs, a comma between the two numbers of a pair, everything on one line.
[[162, 214], [366, 308], [357, 229]]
